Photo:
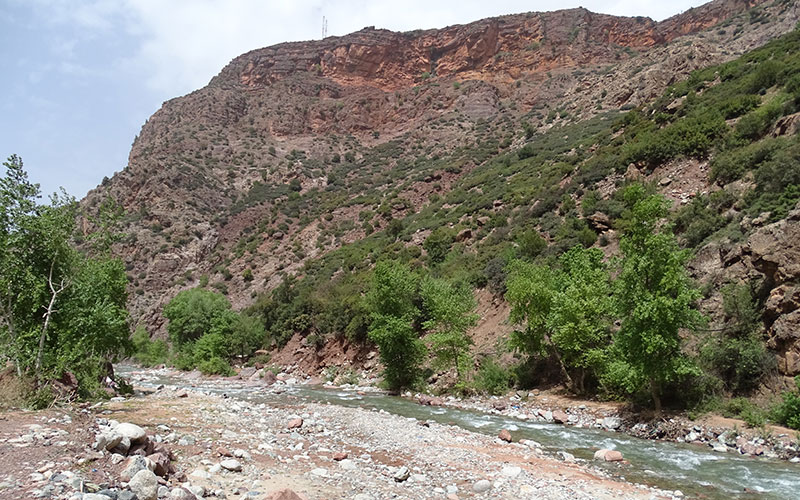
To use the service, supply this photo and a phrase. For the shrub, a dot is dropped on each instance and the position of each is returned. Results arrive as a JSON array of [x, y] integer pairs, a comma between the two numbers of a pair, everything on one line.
[[758, 122], [148, 352], [215, 366], [788, 411], [492, 378]]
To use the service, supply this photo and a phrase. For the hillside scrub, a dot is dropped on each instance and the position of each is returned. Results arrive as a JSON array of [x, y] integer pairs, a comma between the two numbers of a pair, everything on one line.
[[525, 214], [62, 310]]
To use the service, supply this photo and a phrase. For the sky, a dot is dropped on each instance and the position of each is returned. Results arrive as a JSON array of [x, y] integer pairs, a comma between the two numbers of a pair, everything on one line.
[[82, 76]]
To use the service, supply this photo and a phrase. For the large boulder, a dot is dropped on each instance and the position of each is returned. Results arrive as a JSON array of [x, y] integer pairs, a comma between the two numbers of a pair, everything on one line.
[[131, 431]]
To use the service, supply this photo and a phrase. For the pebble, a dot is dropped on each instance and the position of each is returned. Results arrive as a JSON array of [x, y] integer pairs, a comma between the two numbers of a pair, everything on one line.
[[481, 486], [511, 471], [231, 464]]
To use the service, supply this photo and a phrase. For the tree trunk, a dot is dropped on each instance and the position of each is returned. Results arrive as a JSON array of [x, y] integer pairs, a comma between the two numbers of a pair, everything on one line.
[[655, 393], [458, 368], [561, 366], [47, 316]]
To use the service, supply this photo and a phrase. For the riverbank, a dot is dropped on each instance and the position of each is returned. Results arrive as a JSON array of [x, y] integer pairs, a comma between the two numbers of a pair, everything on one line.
[[320, 451], [720, 434]]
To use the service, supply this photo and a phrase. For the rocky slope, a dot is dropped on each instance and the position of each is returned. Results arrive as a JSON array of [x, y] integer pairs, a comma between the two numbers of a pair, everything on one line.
[[296, 150]]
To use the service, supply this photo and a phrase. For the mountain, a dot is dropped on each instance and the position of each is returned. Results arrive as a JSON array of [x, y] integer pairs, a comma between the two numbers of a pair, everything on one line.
[[313, 158]]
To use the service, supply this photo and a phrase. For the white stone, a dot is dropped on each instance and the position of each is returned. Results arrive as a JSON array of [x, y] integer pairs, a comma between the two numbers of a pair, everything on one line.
[[511, 471], [231, 465], [481, 486], [131, 431], [145, 485], [347, 464]]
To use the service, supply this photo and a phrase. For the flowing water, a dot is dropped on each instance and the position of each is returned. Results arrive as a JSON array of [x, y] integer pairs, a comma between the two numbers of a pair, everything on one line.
[[698, 472]]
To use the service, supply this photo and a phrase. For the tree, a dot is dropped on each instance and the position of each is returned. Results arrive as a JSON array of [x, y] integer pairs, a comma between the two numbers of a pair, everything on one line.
[[60, 310], [206, 332], [654, 298], [450, 314], [566, 312], [580, 316], [191, 314], [391, 302]]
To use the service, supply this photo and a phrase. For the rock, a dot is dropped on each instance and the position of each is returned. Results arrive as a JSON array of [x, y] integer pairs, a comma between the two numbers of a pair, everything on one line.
[[163, 492], [566, 456], [224, 452], [284, 494], [131, 431], [145, 485], [231, 464], [505, 435], [560, 417], [719, 447], [133, 466], [117, 458], [319, 472], [339, 456], [295, 423], [511, 471], [482, 486], [401, 474], [499, 405], [95, 496], [161, 463], [100, 442], [268, 377], [611, 423], [347, 465], [128, 495], [182, 394], [426, 400], [181, 494], [123, 446], [752, 449], [608, 455]]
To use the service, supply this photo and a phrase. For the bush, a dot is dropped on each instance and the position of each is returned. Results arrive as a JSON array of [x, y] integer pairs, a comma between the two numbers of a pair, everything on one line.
[[492, 378], [215, 366], [148, 352], [788, 411]]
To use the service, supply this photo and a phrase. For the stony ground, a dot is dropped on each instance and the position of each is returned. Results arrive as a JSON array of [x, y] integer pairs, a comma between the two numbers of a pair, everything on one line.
[[319, 451]]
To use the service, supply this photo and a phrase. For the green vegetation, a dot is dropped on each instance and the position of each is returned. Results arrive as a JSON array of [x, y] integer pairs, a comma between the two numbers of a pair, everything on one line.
[[449, 311], [391, 302], [655, 299], [61, 310], [522, 222], [206, 333]]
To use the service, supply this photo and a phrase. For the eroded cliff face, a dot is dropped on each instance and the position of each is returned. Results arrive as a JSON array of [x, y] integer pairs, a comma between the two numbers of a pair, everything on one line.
[[341, 122], [498, 49]]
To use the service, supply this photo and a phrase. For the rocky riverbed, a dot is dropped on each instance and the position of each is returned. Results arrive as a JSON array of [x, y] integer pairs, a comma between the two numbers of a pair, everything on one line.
[[221, 447]]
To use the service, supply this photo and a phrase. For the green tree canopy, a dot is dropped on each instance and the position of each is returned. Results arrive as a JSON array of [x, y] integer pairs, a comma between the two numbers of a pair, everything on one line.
[[60, 309], [392, 304], [655, 299], [450, 314], [566, 311]]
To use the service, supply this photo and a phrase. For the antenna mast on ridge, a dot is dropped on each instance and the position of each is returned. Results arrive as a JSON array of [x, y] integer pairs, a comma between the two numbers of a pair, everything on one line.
[[324, 27]]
